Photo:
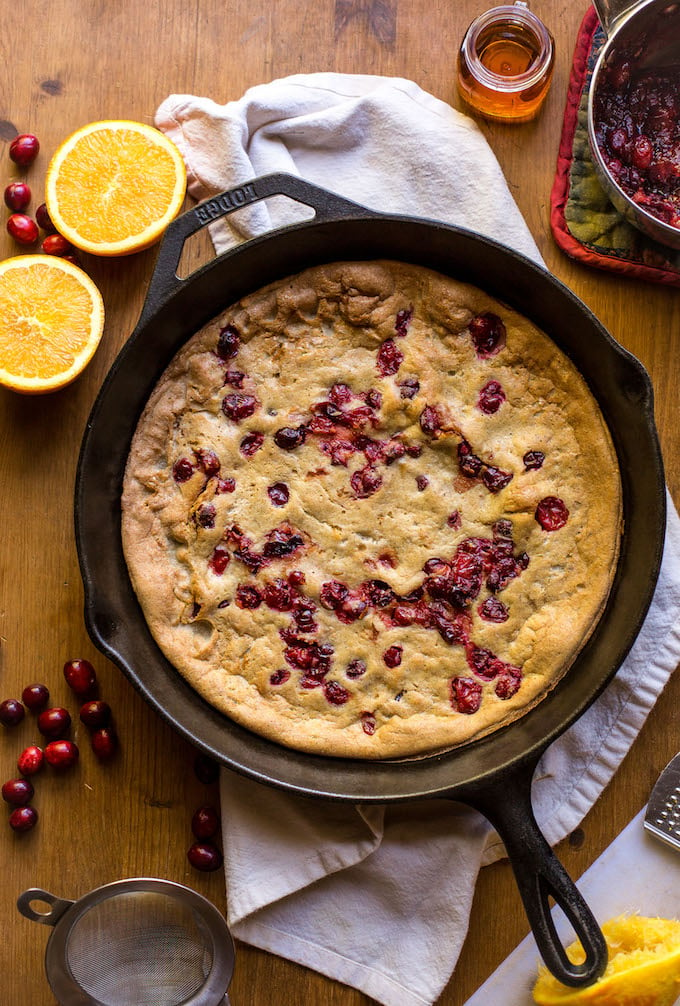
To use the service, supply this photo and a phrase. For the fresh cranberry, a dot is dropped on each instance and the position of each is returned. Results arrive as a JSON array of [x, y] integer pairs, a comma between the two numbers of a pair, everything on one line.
[[289, 437], [251, 444], [54, 721], [182, 470], [339, 451], [35, 697], [80, 676], [22, 228], [502, 528], [493, 610], [12, 712], [17, 196], [44, 219], [24, 149], [454, 519], [373, 399], [365, 482], [30, 760], [322, 426], [248, 597], [204, 856], [333, 593], [17, 792], [378, 593], [279, 677], [206, 769], [303, 615], [494, 479], [483, 662], [436, 565], [393, 450], [430, 420], [205, 822], [95, 714], [55, 244], [335, 693], [403, 321], [490, 398], [389, 358], [551, 513], [533, 460], [488, 334], [23, 818], [279, 595], [409, 387], [352, 608], [466, 695], [469, 464], [392, 656], [104, 743], [355, 668], [205, 515], [61, 754], [219, 560], [422, 482], [225, 486], [508, 682], [311, 657], [237, 406], [281, 541], [228, 342], [368, 724], [340, 394], [357, 419], [234, 378], [278, 493], [327, 411]]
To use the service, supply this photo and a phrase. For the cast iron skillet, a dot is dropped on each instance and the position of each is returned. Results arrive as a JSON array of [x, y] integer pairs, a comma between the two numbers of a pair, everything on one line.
[[494, 774]]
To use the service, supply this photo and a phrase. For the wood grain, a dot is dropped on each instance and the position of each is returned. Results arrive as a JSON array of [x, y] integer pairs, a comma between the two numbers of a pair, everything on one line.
[[66, 62]]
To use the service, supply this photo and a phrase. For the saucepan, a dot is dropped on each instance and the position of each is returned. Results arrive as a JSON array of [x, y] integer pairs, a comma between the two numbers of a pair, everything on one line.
[[642, 36], [495, 773]]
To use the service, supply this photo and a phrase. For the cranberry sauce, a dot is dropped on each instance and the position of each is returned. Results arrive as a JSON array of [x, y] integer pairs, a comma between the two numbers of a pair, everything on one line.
[[637, 129]]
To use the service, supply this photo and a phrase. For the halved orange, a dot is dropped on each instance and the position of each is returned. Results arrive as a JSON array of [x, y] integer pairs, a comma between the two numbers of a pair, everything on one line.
[[51, 321], [643, 968], [112, 187]]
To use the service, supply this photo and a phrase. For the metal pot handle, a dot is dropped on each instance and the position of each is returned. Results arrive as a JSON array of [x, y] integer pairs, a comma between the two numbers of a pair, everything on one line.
[[57, 906], [506, 803], [326, 206], [612, 12]]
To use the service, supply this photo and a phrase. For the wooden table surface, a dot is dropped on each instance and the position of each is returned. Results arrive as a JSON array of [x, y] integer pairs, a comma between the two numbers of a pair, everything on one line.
[[68, 62]]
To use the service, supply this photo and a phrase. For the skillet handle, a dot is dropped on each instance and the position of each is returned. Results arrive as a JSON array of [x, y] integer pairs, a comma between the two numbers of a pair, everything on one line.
[[326, 206], [506, 803]]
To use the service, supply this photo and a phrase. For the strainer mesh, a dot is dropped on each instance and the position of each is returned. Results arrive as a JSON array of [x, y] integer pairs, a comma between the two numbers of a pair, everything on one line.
[[140, 948]]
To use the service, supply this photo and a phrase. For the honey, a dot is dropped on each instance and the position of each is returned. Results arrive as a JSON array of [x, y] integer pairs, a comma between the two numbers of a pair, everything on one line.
[[505, 63]]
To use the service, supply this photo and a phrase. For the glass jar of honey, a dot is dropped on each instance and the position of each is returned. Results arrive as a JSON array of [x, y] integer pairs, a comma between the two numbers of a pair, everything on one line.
[[505, 63]]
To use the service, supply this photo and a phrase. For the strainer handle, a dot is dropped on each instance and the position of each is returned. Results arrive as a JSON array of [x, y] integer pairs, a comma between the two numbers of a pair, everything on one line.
[[57, 906]]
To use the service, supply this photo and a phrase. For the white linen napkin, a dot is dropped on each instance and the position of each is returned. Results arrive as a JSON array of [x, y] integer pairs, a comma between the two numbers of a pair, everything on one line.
[[379, 897]]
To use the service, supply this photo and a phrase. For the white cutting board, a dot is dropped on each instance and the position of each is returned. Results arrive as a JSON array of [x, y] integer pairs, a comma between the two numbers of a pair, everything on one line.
[[636, 874]]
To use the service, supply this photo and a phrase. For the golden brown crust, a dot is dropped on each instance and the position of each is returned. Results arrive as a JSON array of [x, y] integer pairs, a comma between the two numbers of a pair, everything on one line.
[[374, 487]]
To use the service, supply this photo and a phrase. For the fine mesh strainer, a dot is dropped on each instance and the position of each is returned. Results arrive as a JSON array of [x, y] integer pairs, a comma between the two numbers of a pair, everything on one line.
[[138, 942]]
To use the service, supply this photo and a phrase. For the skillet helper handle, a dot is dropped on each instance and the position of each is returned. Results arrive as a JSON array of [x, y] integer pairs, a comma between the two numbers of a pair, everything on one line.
[[326, 206], [540, 876]]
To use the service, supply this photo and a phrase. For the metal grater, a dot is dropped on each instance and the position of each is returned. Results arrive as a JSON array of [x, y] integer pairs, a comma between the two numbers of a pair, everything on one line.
[[662, 818]]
